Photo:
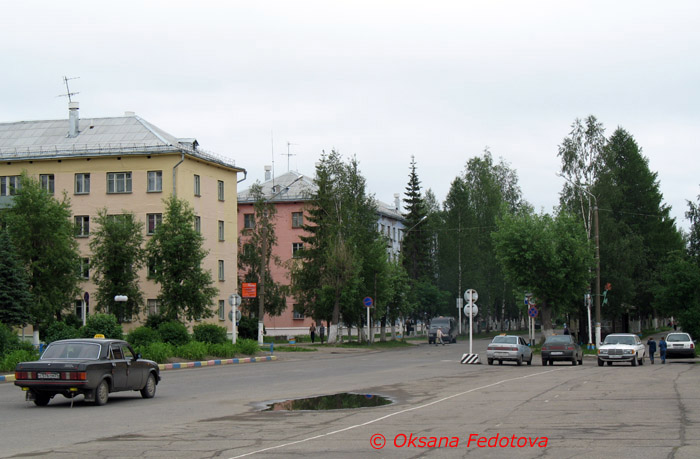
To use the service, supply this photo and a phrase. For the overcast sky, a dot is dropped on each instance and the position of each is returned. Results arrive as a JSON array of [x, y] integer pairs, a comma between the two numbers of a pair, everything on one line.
[[380, 80]]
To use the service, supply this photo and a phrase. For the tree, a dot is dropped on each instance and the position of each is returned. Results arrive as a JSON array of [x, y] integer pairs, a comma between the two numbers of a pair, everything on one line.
[[15, 299], [250, 248], [693, 214], [678, 291], [416, 244], [176, 253], [550, 257], [117, 255], [41, 230]]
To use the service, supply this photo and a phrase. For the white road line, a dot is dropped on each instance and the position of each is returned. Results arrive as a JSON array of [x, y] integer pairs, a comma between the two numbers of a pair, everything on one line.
[[328, 434]]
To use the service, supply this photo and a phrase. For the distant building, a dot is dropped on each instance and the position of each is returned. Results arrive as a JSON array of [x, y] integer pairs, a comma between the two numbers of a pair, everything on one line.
[[126, 163], [290, 193]]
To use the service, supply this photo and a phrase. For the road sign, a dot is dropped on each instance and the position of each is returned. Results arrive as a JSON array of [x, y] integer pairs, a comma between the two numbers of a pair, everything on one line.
[[249, 289], [238, 315], [532, 301], [475, 310], [532, 312], [471, 295], [234, 300], [368, 302]]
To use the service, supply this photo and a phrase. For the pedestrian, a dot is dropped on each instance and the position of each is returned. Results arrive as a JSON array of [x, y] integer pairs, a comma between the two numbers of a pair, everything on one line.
[[675, 326], [312, 332], [662, 350], [652, 348], [438, 336], [321, 332], [566, 330]]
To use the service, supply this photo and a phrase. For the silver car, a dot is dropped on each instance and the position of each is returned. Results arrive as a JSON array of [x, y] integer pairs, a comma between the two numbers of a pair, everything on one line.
[[622, 347], [508, 347], [679, 344]]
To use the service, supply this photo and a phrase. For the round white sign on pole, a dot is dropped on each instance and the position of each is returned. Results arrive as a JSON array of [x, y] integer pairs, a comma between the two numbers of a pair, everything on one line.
[[474, 308], [234, 300], [471, 295]]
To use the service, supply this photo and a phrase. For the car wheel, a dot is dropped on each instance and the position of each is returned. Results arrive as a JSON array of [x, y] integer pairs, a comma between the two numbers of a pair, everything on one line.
[[551, 362], [42, 399], [520, 360], [500, 362], [580, 362], [573, 361], [634, 361], [102, 393], [149, 390], [544, 362], [609, 364], [490, 361], [600, 363], [529, 362], [641, 361]]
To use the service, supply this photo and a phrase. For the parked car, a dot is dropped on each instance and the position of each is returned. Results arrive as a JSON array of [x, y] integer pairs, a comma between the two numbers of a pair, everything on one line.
[[679, 344], [92, 367], [448, 326], [622, 347], [508, 347], [561, 348]]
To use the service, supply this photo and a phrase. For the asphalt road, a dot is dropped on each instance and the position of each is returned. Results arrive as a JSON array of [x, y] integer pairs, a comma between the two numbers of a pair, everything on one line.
[[527, 411]]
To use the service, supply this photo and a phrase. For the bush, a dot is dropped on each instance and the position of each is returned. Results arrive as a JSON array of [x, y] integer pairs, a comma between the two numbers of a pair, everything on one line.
[[209, 333], [105, 324], [60, 330], [248, 328], [174, 333], [11, 359], [143, 336], [222, 351], [247, 346], [154, 321], [8, 339], [158, 352], [194, 350]]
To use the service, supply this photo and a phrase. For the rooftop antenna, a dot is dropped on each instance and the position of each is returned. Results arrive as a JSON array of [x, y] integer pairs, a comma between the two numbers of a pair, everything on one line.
[[68, 93], [272, 153], [289, 154]]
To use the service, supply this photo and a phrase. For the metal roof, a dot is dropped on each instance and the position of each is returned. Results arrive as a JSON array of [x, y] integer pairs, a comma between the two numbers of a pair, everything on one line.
[[291, 186], [125, 135]]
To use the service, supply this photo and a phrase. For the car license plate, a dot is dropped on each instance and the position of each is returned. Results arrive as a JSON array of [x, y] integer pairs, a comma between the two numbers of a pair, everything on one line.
[[556, 353], [501, 353], [615, 356], [49, 375], [677, 345]]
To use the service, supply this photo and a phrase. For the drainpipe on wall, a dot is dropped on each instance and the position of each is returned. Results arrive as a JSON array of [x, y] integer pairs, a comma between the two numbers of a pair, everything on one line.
[[245, 174], [175, 174]]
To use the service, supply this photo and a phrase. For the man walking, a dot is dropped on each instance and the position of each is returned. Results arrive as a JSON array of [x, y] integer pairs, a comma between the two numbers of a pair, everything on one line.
[[662, 350], [312, 332], [438, 336], [652, 348], [321, 332]]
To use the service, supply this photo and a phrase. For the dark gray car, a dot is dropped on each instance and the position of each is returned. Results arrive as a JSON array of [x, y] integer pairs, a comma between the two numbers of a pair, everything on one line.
[[561, 348], [448, 325]]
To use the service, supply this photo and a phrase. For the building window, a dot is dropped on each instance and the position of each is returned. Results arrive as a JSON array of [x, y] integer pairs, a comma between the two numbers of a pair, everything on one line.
[[221, 270], [118, 182], [197, 189], [296, 247], [9, 185], [198, 224], [85, 268], [79, 308], [153, 307], [46, 181], [82, 226], [222, 310], [297, 219], [248, 221], [154, 221], [155, 181], [298, 315], [221, 230], [221, 190], [151, 268], [82, 183]]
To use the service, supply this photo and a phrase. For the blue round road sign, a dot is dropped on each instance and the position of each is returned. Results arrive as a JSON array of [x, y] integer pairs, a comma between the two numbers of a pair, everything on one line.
[[367, 301], [532, 312]]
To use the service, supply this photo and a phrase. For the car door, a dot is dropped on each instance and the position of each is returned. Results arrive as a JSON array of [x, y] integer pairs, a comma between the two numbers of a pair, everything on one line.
[[527, 352], [135, 369], [120, 368]]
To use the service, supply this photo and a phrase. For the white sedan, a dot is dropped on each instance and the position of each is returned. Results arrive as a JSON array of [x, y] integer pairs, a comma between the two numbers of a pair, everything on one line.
[[622, 347]]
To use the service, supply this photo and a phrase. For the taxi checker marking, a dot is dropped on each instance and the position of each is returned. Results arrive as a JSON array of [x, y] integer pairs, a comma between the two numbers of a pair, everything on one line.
[[449, 397]]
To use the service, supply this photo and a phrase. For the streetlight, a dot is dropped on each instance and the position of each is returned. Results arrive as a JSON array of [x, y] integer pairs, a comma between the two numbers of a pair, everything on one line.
[[263, 262], [597, 257]]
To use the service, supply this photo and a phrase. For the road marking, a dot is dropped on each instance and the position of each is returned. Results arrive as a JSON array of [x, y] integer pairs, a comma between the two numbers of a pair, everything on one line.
[[407, 410]]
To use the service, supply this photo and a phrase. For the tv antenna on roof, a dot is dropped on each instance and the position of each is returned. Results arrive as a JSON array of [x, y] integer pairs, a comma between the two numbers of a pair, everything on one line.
[[289, 154], [68, 93]]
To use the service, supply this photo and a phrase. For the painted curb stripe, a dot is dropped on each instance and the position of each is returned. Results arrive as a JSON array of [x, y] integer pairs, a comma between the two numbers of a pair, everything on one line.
[[210, 363], [7, 378]]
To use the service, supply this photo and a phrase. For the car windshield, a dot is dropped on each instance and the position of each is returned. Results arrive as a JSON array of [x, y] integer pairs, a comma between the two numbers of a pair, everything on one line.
[[619, 339], [439, 323], [505, 339], [89, 351], [558, 339], [677, 337]]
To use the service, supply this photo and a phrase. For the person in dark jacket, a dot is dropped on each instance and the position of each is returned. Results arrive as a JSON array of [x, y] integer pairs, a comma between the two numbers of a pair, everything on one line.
[[662, 350], [652, 348]]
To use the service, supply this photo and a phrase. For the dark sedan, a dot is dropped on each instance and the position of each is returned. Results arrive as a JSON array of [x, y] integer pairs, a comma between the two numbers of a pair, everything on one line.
[[91, 367], [561, 348]]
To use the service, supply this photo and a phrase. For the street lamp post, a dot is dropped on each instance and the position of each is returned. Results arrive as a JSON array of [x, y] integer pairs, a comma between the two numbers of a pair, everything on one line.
[[597, 259]]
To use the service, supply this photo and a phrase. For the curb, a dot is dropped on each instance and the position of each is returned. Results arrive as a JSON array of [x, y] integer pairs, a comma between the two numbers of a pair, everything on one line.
[[177, 366]]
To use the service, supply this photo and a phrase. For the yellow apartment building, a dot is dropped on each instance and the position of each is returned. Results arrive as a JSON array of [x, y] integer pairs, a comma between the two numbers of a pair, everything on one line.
[[127, 164]]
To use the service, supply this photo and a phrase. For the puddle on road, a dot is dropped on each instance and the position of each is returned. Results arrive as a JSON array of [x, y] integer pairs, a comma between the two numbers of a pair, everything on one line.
[[344, 401]]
